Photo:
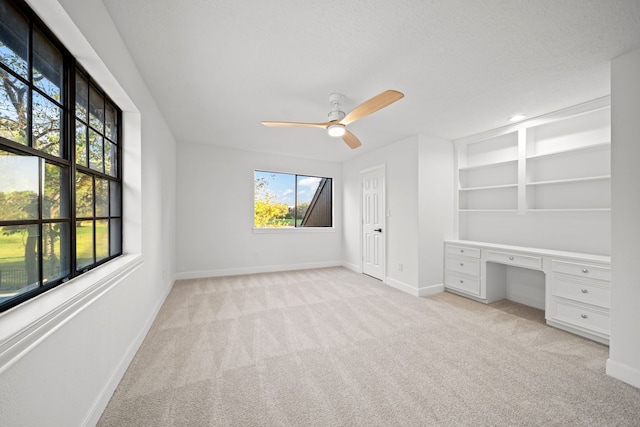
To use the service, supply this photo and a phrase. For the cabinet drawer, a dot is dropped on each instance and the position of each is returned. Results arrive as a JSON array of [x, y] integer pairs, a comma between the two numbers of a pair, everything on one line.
[[575, 290], [463, 283], [463, 250], [582, 270], [515, 259], [463, 265], [581, 316]]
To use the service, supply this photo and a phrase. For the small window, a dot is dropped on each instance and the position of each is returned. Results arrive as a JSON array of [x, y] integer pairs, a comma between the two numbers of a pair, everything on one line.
[[283, 200]]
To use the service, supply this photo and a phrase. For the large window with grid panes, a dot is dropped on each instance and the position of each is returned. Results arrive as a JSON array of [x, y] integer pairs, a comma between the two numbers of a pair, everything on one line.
[[60, 162]]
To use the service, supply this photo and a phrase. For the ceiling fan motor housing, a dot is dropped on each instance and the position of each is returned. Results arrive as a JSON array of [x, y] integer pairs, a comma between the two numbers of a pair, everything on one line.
[[335, 115], [336, 100]]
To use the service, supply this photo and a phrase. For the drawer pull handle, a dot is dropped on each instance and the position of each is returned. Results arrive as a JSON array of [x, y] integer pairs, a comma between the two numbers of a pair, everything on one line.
[[511, 258], [462, 264], [584, 291], [461, 281], [461, 251], [585, 271], [584, 316]]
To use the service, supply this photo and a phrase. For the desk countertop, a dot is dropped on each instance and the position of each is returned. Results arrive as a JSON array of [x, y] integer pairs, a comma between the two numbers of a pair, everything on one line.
[[538, 251]]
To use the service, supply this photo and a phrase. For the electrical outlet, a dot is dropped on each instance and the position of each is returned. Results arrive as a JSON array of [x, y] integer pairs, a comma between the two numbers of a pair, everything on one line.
[[400, 266]]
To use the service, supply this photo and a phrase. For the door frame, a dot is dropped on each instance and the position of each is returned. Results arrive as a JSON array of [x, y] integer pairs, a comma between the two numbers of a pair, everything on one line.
[[383, 168]]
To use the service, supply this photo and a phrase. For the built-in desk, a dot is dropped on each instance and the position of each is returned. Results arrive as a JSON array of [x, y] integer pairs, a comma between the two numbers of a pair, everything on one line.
[[572, 288]]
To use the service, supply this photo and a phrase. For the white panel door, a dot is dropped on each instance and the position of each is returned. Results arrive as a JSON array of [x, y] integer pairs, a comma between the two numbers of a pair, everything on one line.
[[373, 242]]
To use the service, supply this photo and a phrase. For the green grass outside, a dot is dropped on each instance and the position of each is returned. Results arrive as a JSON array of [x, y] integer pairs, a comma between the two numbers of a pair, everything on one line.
[[12, 252], [283, 222]]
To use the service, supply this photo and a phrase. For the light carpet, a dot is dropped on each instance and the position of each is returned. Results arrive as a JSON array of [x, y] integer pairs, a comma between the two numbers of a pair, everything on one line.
[[329, 347]]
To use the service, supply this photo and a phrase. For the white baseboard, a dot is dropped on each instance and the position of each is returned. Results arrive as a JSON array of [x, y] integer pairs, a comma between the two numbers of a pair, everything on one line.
[[105, 395], [353, 267], [424, 291], [254, 270], [427, 291], [623, 372], [401, 286]]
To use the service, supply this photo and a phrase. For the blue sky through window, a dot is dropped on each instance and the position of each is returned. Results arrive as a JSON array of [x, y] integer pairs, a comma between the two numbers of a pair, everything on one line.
[[283, 186], [280, 185], [307, 186]]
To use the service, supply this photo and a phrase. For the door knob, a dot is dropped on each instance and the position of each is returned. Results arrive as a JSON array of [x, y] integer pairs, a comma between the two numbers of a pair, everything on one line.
[[379, 230]]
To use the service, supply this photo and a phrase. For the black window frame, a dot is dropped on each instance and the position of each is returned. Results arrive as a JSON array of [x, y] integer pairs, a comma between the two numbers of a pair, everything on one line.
[[66, 161]]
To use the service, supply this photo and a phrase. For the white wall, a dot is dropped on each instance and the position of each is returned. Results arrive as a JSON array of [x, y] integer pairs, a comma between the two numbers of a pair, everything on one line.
[[436, 206], [419, 203], [586, 233], [624, 354], [401, 190], [66, 363], [215, 215]]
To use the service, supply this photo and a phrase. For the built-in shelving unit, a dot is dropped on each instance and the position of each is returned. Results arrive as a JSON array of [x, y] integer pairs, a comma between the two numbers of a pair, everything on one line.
[[488, 175], [548, 177]]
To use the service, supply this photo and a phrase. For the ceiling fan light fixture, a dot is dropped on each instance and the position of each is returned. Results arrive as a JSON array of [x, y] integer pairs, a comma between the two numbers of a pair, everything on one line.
[[336, 130]]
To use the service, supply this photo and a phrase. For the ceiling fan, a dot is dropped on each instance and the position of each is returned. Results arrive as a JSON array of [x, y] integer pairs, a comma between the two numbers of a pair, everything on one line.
[[336, 126]]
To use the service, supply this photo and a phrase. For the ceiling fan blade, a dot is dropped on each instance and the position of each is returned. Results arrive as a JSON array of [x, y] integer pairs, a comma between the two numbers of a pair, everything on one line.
[[351, 140], [295, 124], [371, 106]]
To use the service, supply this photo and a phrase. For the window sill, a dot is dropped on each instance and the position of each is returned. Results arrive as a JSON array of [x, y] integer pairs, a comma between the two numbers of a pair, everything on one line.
[[24, 326], [294, 230]]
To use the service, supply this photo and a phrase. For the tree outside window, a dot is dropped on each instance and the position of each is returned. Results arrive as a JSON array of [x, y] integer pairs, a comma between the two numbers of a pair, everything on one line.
[[289, 200]]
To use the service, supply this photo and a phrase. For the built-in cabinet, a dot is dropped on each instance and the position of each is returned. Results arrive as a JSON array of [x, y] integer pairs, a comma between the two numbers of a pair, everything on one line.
[[462, 269], [543, 183], [574, 288], [580, 296]]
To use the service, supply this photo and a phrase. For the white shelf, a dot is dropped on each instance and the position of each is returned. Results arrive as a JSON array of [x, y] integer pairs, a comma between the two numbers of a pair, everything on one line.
[[540, 210], [571, 210], [572, 180], [489, 187], [599, 145], [488, 165], [488, 210]]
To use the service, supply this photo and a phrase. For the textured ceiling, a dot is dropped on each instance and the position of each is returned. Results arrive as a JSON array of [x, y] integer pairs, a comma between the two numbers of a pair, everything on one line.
[[219, 67]]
